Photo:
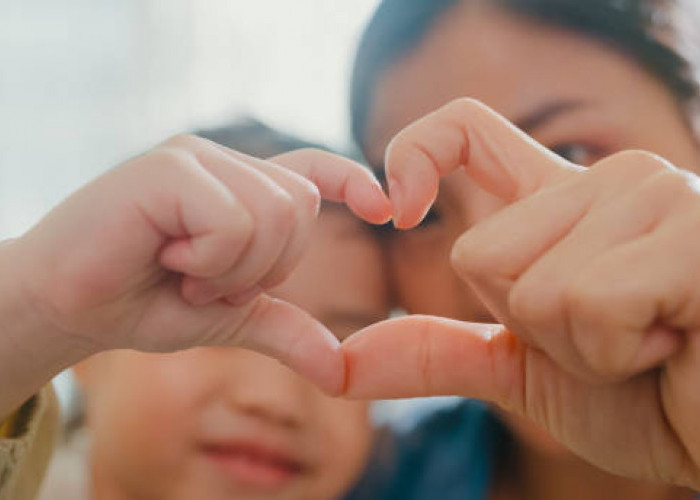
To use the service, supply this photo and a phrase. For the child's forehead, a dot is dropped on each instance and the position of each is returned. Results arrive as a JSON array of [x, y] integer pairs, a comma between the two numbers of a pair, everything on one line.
[[341, 256]]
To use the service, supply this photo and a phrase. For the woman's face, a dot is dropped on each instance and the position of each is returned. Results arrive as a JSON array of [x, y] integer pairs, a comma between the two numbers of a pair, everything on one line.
[[570, 92]]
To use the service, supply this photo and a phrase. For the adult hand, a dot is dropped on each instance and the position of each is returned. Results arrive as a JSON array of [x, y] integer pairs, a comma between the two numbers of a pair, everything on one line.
[[174, 249], [594, 273]]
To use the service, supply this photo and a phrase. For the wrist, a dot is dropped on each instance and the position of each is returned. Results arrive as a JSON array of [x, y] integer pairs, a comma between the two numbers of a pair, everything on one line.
[[32, 349]]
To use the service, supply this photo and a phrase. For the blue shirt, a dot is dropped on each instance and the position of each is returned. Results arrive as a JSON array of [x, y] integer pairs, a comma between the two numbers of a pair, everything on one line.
[[451, 455]]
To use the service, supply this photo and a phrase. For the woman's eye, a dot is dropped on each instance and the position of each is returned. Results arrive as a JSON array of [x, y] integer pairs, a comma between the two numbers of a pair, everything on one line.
[[578, 153]]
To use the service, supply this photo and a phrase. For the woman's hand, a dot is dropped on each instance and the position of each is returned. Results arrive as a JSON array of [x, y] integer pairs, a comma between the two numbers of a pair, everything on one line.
[[595, 274], [175, 249]]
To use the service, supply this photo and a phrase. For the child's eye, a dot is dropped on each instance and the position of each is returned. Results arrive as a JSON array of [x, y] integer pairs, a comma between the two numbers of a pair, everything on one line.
[[577, 153]]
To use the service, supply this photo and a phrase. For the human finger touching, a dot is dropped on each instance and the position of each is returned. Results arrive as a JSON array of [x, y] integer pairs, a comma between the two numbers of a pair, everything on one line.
[[621, 427], [282, 198], [524, 261], [527, 261], [138, 257], [465, 133], [616, 323]]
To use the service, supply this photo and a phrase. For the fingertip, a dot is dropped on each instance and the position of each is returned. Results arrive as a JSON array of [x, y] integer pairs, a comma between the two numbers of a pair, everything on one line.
[[324, 364], [403, 216], [396, 200], [384, 210], [289, 334], [410, 203], [333, 383], [368, 200], [418, 356]]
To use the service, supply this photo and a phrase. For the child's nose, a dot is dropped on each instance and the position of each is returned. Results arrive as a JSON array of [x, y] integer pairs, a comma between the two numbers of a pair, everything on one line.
[[273, 413], [271, 392]]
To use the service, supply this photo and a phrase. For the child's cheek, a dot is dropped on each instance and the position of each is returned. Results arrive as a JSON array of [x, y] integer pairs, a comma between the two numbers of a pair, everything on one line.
[[346, 438], [161, 409]]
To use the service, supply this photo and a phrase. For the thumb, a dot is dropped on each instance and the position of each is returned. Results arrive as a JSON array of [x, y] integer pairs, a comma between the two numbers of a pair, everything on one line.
[[436, 357], [285, 332], [267, 325], [501, 158], [337, 179]]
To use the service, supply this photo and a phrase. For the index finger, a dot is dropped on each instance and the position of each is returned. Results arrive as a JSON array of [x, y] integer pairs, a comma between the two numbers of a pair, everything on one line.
[[501, 158], [337, 179]]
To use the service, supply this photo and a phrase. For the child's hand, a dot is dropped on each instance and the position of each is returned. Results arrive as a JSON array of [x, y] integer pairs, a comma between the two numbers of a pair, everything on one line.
[[594, 271], [175, 249]]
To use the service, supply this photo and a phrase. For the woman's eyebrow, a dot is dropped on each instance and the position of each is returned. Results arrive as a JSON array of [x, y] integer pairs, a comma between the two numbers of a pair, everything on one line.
[[546, 113]]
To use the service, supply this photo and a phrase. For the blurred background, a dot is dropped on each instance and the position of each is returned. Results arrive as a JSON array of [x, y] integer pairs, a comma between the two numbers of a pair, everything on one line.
[[86, 84]]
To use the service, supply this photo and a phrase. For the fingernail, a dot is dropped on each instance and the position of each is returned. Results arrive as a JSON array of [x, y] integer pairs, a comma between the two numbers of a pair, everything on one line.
[[395, 196], [384, 202]]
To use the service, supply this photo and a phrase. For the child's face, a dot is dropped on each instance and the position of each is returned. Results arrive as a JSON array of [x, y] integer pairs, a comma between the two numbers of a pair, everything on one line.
[[574, 95], [228, 423]]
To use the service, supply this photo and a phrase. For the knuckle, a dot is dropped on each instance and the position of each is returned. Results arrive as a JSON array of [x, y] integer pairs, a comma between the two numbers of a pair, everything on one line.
[[464, 105], [285, 212], [601, 367], [469, 259], [241, 227], [588, 307], [527, 304], [173, 161], [309, 196], [302, 156], [184, 141], [668, 184], [677, 185], [633, 162], [463, 109], [581, 296], [306, 152]]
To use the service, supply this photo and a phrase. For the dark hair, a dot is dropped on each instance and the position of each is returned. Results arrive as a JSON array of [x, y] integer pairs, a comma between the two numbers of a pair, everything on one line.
[[254, 138], [631, 26]]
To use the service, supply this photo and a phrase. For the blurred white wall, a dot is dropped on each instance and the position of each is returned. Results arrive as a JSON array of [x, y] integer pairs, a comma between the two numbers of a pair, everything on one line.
[[85, 84]]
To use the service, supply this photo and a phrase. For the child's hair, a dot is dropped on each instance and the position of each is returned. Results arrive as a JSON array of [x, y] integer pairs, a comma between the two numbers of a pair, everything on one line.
[[660, 35], [254, 138]]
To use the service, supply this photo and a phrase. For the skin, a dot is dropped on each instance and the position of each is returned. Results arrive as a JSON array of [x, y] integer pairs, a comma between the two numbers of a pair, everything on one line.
[[577, 351], [532, 74], [170, 250], [178, 404]]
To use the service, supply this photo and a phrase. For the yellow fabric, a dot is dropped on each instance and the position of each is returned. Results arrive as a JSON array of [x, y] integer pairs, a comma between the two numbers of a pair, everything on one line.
[[6, 426], [25, 454]]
